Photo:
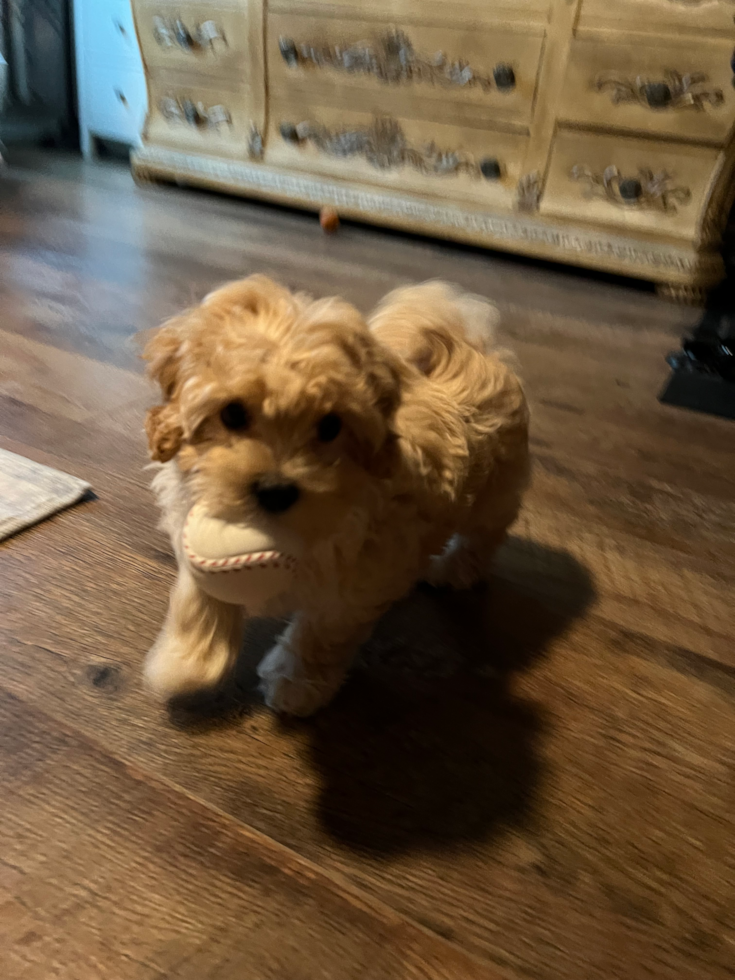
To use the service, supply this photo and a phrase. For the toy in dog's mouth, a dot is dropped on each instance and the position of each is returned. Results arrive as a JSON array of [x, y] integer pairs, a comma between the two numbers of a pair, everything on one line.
[[238, 563]]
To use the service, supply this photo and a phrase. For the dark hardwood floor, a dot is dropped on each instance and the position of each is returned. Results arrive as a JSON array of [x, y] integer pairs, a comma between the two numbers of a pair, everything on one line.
[[535, 780]]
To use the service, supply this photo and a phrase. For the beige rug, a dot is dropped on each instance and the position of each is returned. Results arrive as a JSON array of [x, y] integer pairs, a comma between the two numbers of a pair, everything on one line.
[[30, 492]]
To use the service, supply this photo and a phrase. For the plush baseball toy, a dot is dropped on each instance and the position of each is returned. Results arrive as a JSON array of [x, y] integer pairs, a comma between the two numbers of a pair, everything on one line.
[[237, 563]]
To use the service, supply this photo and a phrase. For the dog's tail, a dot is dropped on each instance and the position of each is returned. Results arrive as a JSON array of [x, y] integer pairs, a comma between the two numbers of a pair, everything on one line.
[[436, 327]]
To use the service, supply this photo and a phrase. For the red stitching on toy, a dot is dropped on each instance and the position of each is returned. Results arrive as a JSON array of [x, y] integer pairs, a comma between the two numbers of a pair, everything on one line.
[[264, 559]]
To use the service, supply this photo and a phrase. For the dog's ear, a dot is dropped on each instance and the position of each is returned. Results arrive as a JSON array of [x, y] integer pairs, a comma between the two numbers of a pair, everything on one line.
[[164, 432], [163, 423], [382, 462], [384, 377], [163, 354], [376, 445]]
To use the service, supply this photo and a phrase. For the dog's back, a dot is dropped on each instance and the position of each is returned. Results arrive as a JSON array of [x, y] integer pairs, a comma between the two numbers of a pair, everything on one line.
[[449, 338], [463, 419], [435, 327]]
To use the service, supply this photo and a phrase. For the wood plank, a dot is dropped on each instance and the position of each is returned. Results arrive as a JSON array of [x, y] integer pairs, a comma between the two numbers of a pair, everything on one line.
[[71, 386], [109, 874]]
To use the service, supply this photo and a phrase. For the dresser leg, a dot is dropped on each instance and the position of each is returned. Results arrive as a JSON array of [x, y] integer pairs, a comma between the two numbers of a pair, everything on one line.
[[678, 293], [87, 144], [143, 176]]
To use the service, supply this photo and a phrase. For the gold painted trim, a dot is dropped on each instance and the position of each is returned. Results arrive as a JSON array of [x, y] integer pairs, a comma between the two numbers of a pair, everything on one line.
[[666, 263]]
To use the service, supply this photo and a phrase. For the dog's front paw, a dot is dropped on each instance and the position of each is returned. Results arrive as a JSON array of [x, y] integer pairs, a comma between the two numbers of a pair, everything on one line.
[[173, 670], [291, 687]]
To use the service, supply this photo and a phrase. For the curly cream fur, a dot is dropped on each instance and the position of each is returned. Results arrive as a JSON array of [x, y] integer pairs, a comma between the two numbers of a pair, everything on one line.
[[423, 480]]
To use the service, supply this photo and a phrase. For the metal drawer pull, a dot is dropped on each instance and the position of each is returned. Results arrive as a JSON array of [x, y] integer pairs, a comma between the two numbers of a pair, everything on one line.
[[216, 115], [256, 144], [528, 192], [182, 35], [646, 191], [193, 113], [383, 145], [392, 58], [161, 33], [175, 32], [675, 91], [208, 33]]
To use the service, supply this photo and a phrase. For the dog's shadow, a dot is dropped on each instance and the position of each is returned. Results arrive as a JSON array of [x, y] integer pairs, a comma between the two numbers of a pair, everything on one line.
[[427, 744]]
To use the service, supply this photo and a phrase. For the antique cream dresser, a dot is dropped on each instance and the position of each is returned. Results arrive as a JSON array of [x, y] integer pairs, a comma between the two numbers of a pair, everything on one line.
[[598, 132]]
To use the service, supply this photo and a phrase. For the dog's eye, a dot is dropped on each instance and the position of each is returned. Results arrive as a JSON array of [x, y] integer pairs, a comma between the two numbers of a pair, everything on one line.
[[234, 416], [329, 427]]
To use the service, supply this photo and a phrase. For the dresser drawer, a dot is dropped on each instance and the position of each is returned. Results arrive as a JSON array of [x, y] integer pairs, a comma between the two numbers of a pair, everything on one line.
[[456, 13], [687, 17], [189, 114], [475, 166], [108, 32], [407, 70], [639, 185], [668, 88], [209, 38], [115, 102]]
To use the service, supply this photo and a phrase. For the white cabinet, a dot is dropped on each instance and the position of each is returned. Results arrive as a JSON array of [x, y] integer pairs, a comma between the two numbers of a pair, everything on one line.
[[111, 90]]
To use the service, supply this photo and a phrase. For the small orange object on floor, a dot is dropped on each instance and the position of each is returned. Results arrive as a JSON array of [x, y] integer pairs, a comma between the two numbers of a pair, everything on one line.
[[329, 220]]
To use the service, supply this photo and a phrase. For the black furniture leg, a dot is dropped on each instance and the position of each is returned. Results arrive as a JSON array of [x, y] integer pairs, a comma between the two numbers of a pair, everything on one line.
[[703, 375]]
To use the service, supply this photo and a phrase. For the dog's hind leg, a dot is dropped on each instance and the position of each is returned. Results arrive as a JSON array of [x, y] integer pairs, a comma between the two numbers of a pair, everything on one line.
[[466, 558], [306, 667]]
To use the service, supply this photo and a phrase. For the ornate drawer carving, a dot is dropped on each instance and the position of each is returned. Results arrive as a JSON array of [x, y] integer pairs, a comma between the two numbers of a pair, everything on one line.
[[671, 90], [392, 58], [383, 144], [405, 154], [206, 38], [667, 88], [637, 184], [660, 16], [187, 114], [411, 70], [641, 190]]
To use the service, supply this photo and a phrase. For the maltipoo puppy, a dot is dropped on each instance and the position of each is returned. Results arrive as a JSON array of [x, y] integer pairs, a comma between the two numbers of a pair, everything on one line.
[[395, 449]]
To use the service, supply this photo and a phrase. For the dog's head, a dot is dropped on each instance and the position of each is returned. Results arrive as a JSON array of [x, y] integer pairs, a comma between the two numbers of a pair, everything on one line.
[[273, 404]]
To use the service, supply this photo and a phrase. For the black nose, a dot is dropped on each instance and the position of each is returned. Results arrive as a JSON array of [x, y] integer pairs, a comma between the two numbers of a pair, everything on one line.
[[275, 496]]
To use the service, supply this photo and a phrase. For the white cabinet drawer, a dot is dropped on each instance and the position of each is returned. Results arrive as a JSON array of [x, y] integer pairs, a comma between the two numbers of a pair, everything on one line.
[[108, 31], [116, 103]]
